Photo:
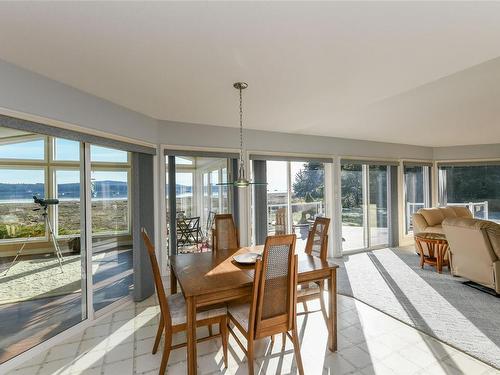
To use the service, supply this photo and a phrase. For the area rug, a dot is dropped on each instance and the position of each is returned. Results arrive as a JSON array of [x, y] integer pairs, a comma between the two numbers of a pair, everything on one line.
[[440, 305]]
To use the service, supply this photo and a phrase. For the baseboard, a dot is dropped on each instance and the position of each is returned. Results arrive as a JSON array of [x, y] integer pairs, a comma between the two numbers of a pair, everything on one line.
[[481, 288]]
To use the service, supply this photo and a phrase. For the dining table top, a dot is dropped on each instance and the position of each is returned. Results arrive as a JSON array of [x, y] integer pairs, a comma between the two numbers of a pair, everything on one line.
[[209, 272]]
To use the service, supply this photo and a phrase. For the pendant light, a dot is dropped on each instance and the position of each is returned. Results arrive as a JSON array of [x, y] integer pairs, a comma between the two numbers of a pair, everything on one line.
[[241, 181]]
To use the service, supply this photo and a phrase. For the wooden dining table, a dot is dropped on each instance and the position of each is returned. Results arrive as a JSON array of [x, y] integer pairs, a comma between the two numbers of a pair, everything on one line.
[[212, 278]]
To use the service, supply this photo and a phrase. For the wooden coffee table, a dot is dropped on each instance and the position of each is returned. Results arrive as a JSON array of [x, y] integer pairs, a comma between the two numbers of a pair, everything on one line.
[[437, 247]]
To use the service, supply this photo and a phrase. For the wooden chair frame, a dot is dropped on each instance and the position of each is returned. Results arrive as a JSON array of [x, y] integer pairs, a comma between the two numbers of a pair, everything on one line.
[[259, 327], [166, 325], [214, 231], [323, 255]]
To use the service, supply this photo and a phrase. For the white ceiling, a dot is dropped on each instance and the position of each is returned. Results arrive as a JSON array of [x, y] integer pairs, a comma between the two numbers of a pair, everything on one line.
[[417, 73]]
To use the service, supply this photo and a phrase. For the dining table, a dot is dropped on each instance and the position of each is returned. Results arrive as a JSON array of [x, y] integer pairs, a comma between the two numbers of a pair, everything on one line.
[[212, 278]]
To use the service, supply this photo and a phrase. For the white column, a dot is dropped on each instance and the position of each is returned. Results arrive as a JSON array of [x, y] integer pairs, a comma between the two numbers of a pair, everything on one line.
[[336, 209]]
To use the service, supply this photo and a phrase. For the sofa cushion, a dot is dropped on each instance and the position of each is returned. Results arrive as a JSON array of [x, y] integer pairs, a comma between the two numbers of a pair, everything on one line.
[[435, 229], [433, 216], [448, 212], [462, 211]]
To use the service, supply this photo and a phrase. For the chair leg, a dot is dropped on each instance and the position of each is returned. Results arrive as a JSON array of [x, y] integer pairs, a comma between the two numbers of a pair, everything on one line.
[[322, 302], [250, 356], [283, 340], [166, 353], [158, 335], [296, 348], [225, 337]]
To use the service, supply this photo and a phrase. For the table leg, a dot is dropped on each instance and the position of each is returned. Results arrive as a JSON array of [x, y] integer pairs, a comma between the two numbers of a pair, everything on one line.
[[191, 335], [332, 311], [173, 282]]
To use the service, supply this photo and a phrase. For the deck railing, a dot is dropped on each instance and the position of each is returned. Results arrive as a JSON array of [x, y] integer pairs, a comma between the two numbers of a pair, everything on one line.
[[479, 210]]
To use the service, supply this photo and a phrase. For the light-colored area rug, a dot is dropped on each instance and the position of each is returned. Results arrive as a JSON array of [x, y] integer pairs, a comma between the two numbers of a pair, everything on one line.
[[437, 304], [41, 278]]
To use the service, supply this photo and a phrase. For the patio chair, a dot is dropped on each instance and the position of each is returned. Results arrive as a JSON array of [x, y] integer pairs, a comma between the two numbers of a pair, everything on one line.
[[188, 231], [173, 314], [280, 223], [224, 234], [316, 245], [272, 309]]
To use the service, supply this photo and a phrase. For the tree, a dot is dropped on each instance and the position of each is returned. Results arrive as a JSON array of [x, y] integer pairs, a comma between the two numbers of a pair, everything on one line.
[[309, 182]]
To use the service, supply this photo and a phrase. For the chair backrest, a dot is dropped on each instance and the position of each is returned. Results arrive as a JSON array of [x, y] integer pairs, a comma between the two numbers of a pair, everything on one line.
[[280, 223], [317, 240], [160, 291], [275, 288], [224, 234]]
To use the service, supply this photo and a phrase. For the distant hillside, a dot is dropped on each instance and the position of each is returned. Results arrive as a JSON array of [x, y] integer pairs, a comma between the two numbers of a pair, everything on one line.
[[100, 189]]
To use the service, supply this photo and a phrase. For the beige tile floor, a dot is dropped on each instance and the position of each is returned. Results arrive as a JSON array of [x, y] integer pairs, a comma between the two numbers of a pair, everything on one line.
[[370, 342]]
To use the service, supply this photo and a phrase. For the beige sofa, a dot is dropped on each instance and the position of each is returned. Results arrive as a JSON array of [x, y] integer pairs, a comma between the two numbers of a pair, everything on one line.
[[430, 219], [474, 250]]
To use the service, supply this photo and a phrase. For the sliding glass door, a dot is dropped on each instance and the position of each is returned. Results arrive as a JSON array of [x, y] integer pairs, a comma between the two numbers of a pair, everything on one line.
[[42, 252], [194, 191], [416, 191], [295, 196], [112, 266], [365, 205]]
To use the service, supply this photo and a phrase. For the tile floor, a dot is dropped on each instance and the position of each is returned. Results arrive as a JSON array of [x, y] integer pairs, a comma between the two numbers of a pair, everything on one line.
[[369, 342]]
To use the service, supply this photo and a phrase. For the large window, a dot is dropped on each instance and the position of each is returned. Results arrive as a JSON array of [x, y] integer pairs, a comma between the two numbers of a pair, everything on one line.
[[365, 208], [475, 186], [416, 191]]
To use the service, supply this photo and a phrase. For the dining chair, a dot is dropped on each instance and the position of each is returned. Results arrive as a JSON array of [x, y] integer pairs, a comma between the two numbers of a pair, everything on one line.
[[272, 309], [173, 314], [224, 234], [316, 245]]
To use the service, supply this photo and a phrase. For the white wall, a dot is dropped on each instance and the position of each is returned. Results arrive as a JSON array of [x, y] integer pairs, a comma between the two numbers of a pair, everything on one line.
[[176, 133], [467, 152], [33, 94]]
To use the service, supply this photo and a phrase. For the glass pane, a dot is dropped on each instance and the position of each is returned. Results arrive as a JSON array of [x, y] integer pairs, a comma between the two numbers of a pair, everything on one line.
[[68, 193], [277, 197], [109, 190], [353, 220], [379, 230], [214, 180], [184, 191], [308, 201], [477, 187], [183, 161], [66, 150], [414, 193], [112, 240], [225, 192], [107, 155], [33, 149], [17, 216]]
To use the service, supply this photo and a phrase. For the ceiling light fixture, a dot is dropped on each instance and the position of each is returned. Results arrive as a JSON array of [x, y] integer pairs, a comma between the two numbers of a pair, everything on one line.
[[241, 181]]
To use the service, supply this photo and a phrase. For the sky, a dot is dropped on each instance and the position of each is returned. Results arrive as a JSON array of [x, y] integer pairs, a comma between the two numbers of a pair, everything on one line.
[[64, 150]]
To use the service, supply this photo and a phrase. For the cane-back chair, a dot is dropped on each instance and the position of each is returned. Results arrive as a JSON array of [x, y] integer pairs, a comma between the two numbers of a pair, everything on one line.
[[224, 234], [173, 314], [316, 245], [272, 309]]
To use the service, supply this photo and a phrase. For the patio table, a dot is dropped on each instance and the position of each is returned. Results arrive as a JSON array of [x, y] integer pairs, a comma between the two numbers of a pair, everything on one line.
[[210, 278]]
